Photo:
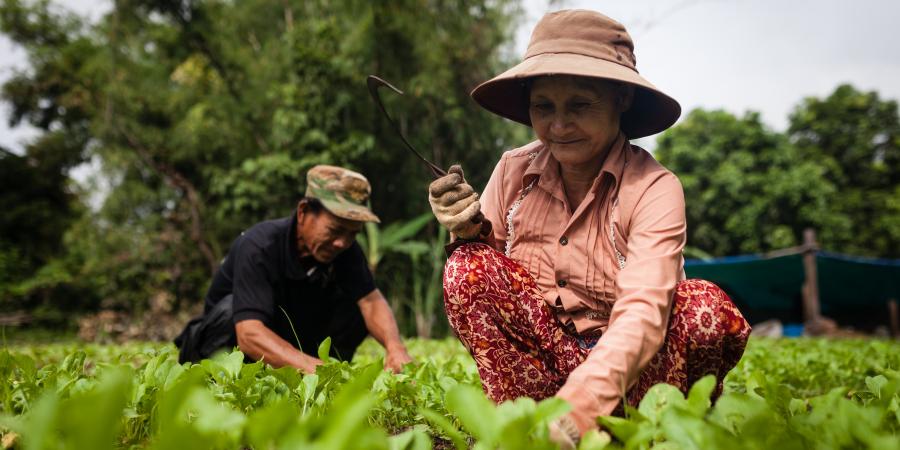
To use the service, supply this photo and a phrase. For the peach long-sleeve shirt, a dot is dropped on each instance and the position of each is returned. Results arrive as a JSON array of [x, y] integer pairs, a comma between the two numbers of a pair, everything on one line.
[[607, 266]]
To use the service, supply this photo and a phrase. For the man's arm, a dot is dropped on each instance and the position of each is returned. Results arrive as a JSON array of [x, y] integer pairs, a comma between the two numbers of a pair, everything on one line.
[[382, 326], [260, 343]]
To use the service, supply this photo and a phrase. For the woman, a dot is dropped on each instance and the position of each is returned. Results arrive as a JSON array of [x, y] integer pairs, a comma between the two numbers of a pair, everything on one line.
[[573, 284]]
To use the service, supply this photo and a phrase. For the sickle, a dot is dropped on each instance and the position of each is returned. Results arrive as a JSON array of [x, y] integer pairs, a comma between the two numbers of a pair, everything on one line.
[[374, 83]]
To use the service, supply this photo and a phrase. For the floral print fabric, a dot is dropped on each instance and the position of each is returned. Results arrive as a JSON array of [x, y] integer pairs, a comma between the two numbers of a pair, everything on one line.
[[521, 348]]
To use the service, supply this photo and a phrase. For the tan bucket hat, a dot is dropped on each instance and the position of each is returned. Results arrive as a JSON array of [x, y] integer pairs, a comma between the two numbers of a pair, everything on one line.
[[582, 43]]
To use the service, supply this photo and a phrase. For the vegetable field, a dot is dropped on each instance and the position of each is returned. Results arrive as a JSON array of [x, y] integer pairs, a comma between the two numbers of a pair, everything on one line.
[[786, 394]]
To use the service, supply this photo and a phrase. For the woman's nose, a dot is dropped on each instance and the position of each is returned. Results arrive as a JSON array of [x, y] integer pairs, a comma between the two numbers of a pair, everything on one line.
[[560, 121]]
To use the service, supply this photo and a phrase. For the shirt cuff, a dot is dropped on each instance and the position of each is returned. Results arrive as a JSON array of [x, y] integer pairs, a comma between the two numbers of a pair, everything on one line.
[[584, 405], [241, 316], [485, 236]]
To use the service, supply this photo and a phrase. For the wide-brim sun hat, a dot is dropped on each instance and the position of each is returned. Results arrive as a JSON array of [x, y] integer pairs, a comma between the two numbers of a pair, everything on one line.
[[587, 44]]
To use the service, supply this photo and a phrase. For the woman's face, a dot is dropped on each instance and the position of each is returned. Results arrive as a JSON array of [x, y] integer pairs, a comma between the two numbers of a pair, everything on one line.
[[577, 118]]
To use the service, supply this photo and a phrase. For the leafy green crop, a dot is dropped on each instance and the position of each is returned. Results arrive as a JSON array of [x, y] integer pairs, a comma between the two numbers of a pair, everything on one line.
[[784, 394]]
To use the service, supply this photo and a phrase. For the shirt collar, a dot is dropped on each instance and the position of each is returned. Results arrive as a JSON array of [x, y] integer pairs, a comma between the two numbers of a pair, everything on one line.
[[545, 168]]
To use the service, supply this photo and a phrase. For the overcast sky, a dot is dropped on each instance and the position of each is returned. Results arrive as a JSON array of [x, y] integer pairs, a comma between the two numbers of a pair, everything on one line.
[[762, 55], [738, 55]]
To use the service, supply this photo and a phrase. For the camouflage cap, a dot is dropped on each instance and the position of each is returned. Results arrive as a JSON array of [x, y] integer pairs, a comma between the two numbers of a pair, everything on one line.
[[343, 192]]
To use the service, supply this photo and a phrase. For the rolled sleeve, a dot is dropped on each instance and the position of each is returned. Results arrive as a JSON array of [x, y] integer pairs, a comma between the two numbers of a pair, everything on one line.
[[640, 314], [492, 203]]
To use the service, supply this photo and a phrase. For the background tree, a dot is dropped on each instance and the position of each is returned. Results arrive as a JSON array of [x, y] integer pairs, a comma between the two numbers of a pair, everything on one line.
[[855, 135], [205, 116], [750, 189], [747, 188], [38, 207]]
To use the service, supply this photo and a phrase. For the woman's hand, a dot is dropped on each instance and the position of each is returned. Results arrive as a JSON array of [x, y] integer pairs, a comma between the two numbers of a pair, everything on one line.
[[564, 432], [455, 203]]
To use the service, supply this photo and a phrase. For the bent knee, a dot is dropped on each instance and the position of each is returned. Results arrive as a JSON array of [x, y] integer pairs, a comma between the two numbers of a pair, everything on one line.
[[708, 308], [468, 266], [471, 253], [695, 291]]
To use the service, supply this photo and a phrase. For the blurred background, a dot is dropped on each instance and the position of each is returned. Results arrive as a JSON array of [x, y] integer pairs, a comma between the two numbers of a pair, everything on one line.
[[138, 138]]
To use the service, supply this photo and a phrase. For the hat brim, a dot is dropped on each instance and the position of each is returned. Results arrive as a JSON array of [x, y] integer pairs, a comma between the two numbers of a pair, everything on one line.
[[651, 112], [350, 212]]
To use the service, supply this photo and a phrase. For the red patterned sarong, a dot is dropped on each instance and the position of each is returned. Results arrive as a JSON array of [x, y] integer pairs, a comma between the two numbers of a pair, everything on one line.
[[521, 349]]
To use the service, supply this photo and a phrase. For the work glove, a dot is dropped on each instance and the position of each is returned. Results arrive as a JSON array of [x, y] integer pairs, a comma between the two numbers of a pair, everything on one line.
[[455, 203], [564, 433]]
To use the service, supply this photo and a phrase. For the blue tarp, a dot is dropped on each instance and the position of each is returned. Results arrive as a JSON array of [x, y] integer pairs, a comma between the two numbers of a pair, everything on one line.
[[852, 290]]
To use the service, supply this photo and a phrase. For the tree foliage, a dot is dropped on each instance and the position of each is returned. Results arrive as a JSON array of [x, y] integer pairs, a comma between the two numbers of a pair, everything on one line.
[[204, 115], [750, 189], [38, 208], [855, 136], [207, 114], [746, 188]]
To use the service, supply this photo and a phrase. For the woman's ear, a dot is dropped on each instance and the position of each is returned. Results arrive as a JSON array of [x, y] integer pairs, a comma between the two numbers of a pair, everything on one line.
[[625, 97]]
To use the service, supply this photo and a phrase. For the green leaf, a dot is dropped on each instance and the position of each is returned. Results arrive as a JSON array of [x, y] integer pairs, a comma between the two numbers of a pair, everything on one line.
[[290, 376], [72, 422], [39, 427], [550, 408], [698, 397], [401, 231], [231, 363], [443, 424], [349, 410], [798, 407], [622, 429], [594, 440], [412, 248], [476, 413], [324, 348], [659, 398], [414, 439], [875, 384], [211, 417], [174, 374], [266, 425]]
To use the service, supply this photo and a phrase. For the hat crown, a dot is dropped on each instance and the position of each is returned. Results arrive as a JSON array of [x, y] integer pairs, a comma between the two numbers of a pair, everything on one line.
[[343, 192], [587, 44], [583, 32], [332, 182]]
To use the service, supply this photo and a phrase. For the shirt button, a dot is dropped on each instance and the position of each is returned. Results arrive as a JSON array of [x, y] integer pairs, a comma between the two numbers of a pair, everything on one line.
[[563, 240], [561, 283]]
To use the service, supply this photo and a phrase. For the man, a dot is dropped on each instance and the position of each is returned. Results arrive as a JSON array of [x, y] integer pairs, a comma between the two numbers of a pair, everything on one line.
[[287, 284]]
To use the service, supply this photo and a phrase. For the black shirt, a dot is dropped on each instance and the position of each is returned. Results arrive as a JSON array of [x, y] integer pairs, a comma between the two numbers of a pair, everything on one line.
[[270, 282]]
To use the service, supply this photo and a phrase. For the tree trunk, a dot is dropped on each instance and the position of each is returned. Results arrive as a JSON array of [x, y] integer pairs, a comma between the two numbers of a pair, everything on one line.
[[195, 207]]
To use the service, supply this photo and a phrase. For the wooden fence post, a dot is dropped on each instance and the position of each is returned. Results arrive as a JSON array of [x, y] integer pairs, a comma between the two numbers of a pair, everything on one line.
[[811, 310], [894, 319]]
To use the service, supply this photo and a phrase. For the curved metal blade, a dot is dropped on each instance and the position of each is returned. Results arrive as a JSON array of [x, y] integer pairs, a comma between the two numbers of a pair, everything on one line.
[[374, 83]]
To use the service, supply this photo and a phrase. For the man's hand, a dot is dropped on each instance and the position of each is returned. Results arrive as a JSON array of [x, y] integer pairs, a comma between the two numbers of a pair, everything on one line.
[[312, 362], [455, 203], [396, 358], [382, 326]]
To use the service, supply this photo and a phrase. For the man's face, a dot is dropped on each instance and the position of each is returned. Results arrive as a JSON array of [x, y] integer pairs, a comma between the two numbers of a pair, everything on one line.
[[323, 235]]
